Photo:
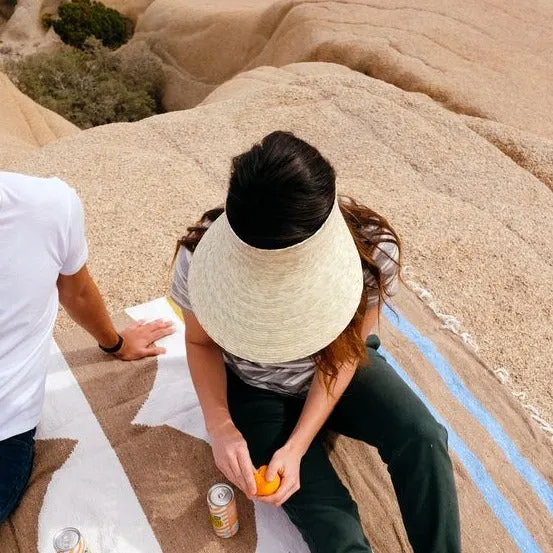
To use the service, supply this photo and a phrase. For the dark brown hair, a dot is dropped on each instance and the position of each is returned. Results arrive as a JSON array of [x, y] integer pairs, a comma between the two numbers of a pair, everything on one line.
[[280, 193]]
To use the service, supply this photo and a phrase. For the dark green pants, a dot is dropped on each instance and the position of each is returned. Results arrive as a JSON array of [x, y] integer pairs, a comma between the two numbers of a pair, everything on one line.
[[381, 410]]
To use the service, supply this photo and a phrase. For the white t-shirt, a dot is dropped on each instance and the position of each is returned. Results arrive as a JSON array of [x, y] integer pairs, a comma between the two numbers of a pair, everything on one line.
[[41, 235]]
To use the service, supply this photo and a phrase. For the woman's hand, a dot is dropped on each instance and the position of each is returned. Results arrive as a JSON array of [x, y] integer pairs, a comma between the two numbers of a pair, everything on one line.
[[286, 462], [232, 457]]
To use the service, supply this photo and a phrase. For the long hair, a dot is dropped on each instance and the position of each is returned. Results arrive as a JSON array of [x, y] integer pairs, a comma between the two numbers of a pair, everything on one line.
[[280, 193]]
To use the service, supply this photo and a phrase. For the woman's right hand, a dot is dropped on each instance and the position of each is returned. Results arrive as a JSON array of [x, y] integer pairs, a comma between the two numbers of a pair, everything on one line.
[[232, 457]]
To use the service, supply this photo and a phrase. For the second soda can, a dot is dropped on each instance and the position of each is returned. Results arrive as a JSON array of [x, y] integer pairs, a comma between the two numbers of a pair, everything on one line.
[[223, 511], [69, 540]]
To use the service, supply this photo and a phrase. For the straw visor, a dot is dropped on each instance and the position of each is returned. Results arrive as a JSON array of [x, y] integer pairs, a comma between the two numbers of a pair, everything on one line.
[[273, 306]]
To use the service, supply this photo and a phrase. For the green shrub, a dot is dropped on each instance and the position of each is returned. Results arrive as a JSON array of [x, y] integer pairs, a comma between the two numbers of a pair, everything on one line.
[[93, 86], [47, 20], [80, 19]]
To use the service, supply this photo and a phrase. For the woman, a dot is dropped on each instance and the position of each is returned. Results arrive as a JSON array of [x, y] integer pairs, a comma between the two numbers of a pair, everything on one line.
[[281, 294]]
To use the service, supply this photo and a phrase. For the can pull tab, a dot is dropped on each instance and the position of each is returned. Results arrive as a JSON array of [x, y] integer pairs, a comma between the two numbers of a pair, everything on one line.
[[224, 495], [67, 539]]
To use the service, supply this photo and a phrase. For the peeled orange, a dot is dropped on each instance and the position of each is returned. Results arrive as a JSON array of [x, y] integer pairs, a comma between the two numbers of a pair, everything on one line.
[[264, 487]]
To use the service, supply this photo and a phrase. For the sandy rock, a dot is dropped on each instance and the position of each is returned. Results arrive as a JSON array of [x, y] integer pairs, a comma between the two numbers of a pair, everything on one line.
[[476, 226], [24, 26], [26, 125], [24, 33], [529, 151], [133, 9], [490, 60], [493, 60]]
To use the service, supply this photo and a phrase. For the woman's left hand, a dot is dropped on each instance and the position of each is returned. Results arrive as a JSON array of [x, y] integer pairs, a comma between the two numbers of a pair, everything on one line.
[[286, 463]]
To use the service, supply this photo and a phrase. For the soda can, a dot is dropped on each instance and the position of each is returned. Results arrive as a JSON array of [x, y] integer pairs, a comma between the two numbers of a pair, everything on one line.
[[222, 510], [70, 540]]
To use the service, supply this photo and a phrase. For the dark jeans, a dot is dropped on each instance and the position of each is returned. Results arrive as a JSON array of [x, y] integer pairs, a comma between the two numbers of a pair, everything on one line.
[[16, 463], [381, 410]]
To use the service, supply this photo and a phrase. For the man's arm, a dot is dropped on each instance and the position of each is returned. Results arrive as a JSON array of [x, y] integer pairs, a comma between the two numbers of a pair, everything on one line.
[[81, 299]]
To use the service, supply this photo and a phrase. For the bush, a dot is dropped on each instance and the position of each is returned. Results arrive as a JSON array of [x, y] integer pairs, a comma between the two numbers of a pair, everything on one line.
[[47, 20], [93, 86], [80, 19]]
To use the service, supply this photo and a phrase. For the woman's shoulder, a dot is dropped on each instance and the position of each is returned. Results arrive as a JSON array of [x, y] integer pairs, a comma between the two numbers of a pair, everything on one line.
[[382, 241], [179, 285], [385, 255], [182, 264], [201, 227]]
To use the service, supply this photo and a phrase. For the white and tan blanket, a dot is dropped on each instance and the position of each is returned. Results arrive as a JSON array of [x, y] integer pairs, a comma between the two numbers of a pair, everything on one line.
[[123, 455]]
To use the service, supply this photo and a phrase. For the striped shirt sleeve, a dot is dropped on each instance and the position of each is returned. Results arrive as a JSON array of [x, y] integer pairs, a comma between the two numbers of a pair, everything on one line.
[[386, 255], [179, 285]]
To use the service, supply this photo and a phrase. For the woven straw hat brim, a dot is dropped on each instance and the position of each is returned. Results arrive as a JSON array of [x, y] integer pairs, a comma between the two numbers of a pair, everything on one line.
[[273, 306]]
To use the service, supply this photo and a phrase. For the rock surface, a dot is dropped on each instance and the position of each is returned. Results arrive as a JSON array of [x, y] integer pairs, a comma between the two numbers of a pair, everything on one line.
[[25, 125], [24, 33], [489, 59]]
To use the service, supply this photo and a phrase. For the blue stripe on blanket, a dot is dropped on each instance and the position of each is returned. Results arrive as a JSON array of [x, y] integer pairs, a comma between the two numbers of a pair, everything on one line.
[[488, 488], [458, 388]]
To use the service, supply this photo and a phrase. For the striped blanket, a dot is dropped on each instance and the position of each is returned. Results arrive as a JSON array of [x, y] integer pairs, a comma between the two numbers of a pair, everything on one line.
[[122, 453]]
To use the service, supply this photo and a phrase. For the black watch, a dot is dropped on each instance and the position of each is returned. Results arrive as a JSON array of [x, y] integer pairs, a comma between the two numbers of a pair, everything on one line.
[[115, 348]]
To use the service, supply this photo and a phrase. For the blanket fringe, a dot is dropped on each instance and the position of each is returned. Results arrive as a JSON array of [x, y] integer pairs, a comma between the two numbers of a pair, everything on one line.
[[454, 325]]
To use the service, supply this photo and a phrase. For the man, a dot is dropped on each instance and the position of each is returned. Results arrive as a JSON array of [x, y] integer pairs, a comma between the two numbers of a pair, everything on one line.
[[43, 255]]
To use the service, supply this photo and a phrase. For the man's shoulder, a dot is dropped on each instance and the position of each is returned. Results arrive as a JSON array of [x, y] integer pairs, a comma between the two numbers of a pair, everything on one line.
[[48, 192]]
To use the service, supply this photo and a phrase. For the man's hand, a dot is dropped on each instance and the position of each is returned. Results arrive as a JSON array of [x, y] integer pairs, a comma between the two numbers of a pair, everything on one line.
[[286, 462], [139, 338], [81, 299]]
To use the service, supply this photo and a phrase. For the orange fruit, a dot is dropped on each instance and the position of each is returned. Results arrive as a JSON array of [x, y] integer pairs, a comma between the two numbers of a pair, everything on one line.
[[264, 487]]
